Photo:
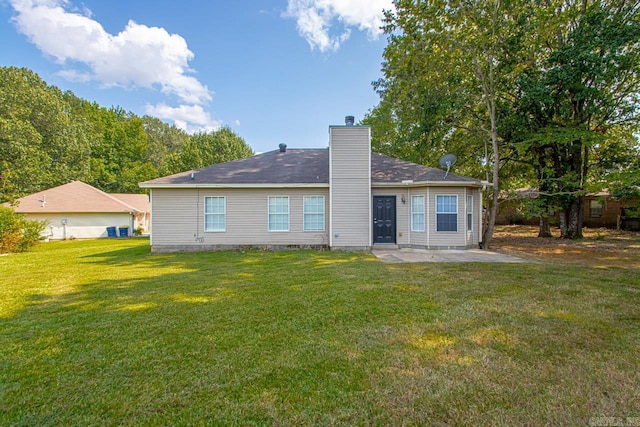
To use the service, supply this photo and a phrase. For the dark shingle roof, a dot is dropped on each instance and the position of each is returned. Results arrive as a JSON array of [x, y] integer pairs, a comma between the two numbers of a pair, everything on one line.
[[274, 167], [302, 166], [389, 170]]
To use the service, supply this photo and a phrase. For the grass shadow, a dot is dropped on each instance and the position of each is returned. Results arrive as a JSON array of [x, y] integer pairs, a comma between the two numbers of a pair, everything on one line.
[[109, 334]]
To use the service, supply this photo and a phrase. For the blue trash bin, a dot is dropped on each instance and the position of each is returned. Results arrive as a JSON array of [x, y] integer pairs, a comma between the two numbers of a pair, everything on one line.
[[111, 232], [124, 231]]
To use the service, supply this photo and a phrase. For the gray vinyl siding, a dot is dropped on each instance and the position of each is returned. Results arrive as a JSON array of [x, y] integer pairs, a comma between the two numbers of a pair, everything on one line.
[[430, 238], [419, 238], [178, 219], [473, 236], [447, 238], [350, 180]]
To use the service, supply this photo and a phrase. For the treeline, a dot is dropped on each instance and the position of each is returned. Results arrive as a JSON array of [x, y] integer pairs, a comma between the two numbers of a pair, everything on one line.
[[49, 137], [527, 94]]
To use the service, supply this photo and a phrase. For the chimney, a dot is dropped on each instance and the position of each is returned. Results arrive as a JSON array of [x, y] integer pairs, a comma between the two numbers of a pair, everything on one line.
[[283, 148], [350, 186]]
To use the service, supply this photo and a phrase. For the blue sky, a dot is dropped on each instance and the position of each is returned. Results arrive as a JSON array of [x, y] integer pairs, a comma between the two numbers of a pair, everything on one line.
[[273, 70]]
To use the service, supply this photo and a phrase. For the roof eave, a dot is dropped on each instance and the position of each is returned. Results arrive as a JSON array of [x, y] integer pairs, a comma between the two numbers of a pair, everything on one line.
[[70, 211], [428, 184], [261, 185]]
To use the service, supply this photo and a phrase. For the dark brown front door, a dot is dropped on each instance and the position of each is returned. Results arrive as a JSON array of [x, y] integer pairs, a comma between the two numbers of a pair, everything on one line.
[[384, 219]]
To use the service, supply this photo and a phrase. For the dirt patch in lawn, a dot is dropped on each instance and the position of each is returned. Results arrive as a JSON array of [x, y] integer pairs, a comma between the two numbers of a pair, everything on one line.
[[600, 247]]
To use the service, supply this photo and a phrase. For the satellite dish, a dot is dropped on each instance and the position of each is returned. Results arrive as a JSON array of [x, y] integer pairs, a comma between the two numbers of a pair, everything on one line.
[[447, 161]]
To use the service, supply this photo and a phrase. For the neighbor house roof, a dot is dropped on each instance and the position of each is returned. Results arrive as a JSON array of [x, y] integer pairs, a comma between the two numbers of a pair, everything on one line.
[[534, 193], [76, 196], [138, 201], [302, 167]]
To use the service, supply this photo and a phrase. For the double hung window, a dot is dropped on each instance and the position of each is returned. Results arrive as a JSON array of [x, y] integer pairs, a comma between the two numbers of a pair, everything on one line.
[[215, 214], [279, 213], [446, 213], [313, 212], [417, 213]]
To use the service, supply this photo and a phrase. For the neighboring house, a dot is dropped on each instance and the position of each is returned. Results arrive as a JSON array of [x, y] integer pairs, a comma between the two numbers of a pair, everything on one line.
[[511, 208], [78, 210], [341, 197], [600, 210]]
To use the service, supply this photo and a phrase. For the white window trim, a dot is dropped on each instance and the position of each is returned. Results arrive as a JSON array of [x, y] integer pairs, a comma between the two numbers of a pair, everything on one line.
[[423, 213], [595, 212], [445, 213], [324, 218], [288, 214], [224, 198]]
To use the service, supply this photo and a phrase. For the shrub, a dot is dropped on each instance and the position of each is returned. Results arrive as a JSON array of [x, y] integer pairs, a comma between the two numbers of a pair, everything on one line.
[[18, 234]]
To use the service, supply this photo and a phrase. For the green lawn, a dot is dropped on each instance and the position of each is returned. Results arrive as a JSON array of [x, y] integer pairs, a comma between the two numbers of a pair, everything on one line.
[[103, 333]]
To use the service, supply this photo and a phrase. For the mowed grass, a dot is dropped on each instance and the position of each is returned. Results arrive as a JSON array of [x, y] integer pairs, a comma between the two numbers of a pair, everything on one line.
[[104, 333]]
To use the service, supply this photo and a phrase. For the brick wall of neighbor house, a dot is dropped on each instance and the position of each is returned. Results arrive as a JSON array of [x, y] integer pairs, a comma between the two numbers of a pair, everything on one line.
[[178, 219], [604, 216], [509, 213], [350, 183]]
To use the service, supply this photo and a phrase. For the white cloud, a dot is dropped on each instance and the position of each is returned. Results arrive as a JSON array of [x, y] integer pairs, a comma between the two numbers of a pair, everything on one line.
[[315, 19], [138, 56], [190, 118]]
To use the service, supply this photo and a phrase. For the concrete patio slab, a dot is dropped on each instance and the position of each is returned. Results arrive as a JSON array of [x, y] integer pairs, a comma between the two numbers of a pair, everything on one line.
[[406, 255]]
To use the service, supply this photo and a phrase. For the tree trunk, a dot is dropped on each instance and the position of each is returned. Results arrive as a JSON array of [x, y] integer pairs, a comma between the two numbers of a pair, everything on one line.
[[487, 236], [488, 232], [574, 219], [545, 230], [562, 216]]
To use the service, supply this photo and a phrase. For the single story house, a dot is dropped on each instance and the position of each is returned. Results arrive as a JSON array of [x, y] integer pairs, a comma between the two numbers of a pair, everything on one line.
[[79, 210], [600, 210], [340, 197]]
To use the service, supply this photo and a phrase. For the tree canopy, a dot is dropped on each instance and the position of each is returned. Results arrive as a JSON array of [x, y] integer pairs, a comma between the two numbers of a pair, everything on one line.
[[41, 142], [48, 138], [542, 94]]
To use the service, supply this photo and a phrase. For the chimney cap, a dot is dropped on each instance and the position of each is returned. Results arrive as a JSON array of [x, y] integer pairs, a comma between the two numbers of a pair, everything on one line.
[[283, 147], [349, 120]]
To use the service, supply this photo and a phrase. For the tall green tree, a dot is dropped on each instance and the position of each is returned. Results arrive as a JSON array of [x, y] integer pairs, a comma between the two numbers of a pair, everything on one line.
[[163, 141], [535, 85], [48, 138], [582, 82], [209, 148], [118, 155], [620, 173], [444, 83], [41, 143]]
